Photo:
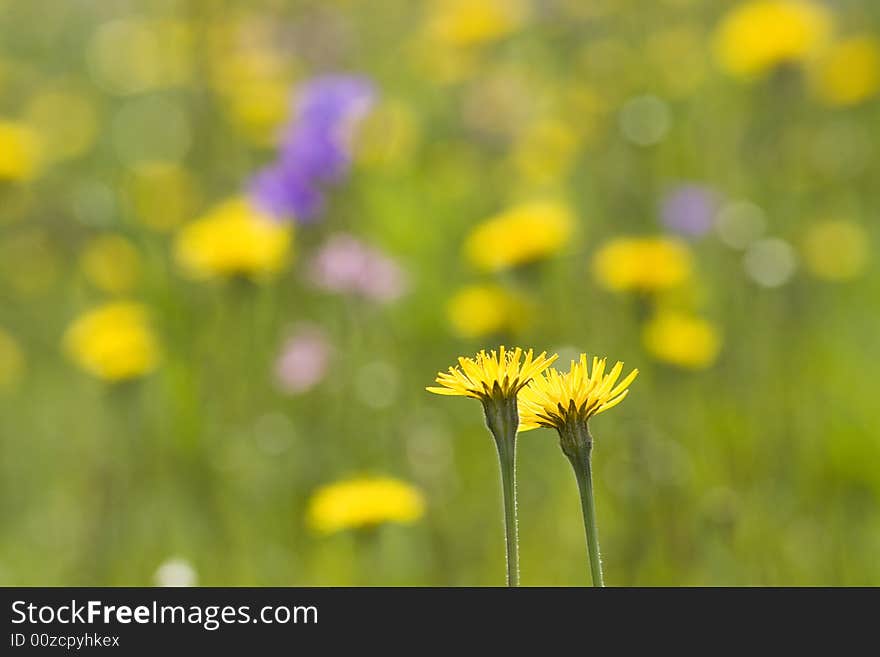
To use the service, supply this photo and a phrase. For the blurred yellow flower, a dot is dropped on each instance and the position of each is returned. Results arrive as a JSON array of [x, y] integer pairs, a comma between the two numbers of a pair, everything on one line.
[[11, 361], [161, 195], [234, 238], [66, 121], [113, 342], [642, 264], [254, 82], [474, 22], [553, 399], [20, 151], [480, 310], [836, 250], [258, 107], [362, 503], [849, 72], [522, 234], [111, 263], [756, 36], [681, 339], [495, 375]]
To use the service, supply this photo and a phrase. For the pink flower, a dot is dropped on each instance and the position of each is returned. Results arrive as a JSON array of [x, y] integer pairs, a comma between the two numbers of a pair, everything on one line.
[[303, 361], [348, 266]]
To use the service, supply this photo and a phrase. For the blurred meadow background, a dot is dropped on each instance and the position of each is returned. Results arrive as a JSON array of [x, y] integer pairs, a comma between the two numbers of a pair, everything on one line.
[[237, 240]]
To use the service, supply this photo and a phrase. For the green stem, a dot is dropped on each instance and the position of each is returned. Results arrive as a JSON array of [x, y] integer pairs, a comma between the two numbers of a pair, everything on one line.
[[578, 446], [507, 459], [502, 420]]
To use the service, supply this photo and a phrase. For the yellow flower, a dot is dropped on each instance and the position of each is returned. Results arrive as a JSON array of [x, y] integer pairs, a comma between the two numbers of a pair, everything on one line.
[[234, 238], [554, 400], [836, 250], [566, 402], [495, 379], [480, 310], [643, 264], [681, 339], [494, 375], [113, 342], [520, 235], [364, 502], [757, 36], [111, 264], [849, 72], [474, 22], [259, 107], [11, 361], [20, 150], [253, 79]]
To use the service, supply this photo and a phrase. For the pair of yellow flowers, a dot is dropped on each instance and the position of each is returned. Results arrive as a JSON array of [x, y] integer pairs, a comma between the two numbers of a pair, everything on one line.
[[546, 397], [519, 392]]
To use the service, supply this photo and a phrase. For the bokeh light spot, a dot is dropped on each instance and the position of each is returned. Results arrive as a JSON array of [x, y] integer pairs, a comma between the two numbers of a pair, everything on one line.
[[645, 120], [740, 223], [770, 262]]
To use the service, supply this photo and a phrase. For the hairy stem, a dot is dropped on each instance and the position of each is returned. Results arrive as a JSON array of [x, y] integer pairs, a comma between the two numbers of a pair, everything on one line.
[[502, 420], [577, 443]]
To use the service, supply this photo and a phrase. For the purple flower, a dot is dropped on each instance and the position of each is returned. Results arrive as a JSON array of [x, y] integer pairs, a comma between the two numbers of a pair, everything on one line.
[[304, 359], [315, 147], [348, 266], [689, 209], [278, 190]]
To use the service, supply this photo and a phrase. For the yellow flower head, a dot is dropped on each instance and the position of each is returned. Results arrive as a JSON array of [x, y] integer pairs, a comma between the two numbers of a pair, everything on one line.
[[20, 151], [473, 22], [520, 235], [757, 36], [113, 342], [681, 339], [253, 79], [259, 106], [364, 502], [553, 399], [233, 239], [111, 263], [642, 264], [849, 72], [480, 310], [496, 375]]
